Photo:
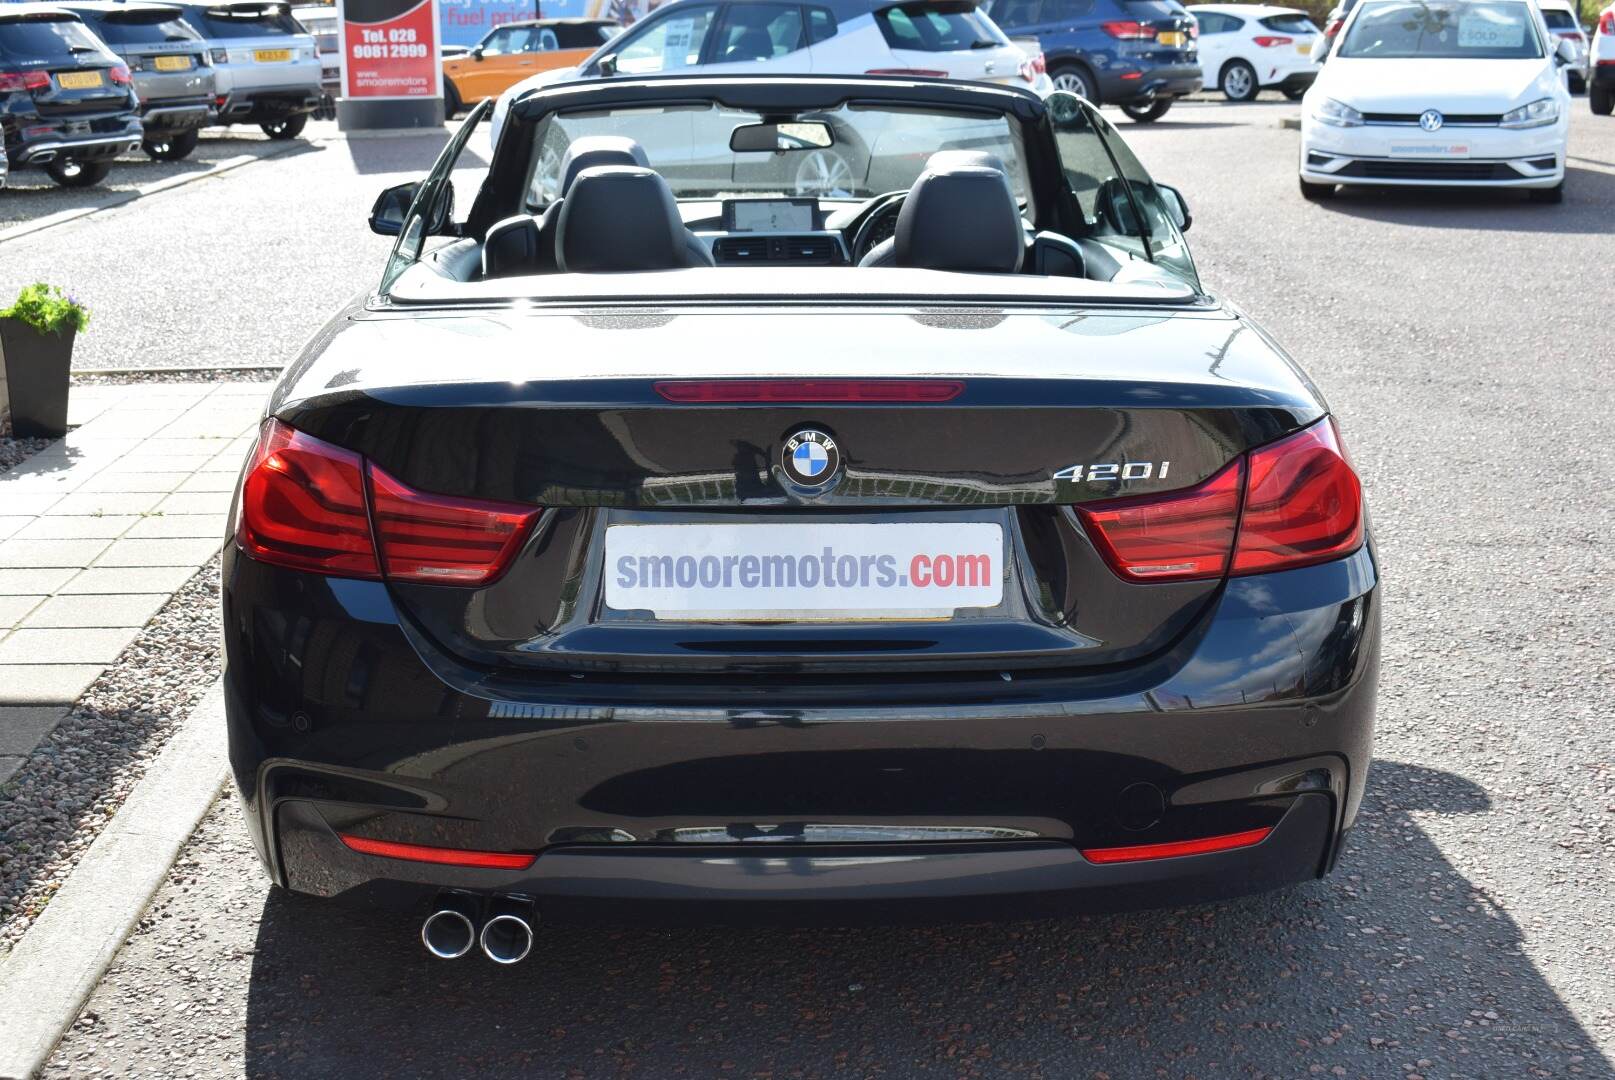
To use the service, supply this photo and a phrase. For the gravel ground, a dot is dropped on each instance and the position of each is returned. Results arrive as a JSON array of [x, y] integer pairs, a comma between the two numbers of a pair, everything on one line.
[[1466, 932], [127, 376], [15, 450], [75, 780]]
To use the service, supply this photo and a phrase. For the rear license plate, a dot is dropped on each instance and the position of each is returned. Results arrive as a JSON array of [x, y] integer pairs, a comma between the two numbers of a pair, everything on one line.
[[804, 572], [1173, 38], [79, 80], [272, 56], [1305, 48], [172, 63]]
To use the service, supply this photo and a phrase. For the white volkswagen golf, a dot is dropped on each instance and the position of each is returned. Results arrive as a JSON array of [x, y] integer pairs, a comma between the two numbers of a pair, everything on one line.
[[1460, 93]]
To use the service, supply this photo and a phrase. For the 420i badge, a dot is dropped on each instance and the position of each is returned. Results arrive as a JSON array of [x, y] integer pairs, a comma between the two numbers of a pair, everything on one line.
[[810, 458]]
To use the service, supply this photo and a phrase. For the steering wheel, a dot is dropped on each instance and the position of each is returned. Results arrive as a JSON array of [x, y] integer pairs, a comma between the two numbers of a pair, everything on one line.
[[879, 224]]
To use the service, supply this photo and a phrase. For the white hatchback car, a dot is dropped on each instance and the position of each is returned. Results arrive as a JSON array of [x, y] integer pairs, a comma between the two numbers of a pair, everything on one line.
[[1601, 65], [942, 38], [1457, 93], [1248, 48]]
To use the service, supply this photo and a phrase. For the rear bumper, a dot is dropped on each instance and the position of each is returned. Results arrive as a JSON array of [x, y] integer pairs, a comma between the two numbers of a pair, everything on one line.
[[343, 719], [172, 115], [267, 105], [1123, 87], [1293, 80], [85, 148]]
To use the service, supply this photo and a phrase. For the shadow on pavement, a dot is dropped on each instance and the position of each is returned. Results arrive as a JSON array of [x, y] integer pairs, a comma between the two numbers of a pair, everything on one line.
[[394, 153], [1589, 197], [1395, 966]]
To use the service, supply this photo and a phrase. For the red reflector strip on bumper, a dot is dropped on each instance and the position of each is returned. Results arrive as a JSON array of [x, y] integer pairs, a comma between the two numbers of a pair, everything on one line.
[[387, 849], [1175, 848]]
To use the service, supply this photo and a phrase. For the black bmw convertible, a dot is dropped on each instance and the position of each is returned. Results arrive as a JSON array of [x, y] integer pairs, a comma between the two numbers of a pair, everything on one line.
[[657, 542]]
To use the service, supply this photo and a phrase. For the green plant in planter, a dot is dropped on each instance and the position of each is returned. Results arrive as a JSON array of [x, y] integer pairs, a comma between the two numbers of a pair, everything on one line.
[[36, 340], [48, 309]]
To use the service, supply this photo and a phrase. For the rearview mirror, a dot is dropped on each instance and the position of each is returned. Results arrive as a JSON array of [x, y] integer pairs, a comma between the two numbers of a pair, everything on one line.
[[1177, 206], [387, 215], [775, 138]]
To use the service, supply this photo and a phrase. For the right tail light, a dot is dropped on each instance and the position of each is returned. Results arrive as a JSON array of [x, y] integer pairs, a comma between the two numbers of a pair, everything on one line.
[[1292, 503], [308, 505]]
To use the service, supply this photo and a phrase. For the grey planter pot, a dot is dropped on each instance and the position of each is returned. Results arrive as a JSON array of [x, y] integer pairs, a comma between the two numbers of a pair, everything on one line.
[[37, 370]]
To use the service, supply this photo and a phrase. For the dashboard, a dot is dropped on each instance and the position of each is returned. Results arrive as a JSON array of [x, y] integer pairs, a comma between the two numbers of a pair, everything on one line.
[[787, 231]]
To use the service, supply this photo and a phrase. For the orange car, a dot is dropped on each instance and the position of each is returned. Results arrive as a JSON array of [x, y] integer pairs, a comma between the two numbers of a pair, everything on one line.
[[511, 52]]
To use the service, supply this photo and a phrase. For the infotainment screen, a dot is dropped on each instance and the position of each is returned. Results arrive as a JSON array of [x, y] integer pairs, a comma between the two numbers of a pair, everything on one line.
[[769, 215]]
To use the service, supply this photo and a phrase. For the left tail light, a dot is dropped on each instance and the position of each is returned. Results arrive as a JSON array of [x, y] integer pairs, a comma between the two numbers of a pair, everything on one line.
[[1032, 67], [12, 81], [308, 505], [219, 56], [1293, 503], [120, 75], [1268, 41], [1127, 30]]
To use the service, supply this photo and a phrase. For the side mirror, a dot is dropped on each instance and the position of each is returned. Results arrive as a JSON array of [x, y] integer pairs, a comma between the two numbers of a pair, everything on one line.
[[1177, 206], [476, 54], [607, 65], [1565, 53], [387, 215], [392, 208], [1115, 208]]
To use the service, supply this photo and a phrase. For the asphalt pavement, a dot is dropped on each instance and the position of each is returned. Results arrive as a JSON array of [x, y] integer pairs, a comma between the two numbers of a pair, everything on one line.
[[1462, 340]]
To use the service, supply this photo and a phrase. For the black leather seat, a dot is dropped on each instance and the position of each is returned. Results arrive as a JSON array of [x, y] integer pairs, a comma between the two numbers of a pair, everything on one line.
[[525, 244], [960, 214], [619, 218]]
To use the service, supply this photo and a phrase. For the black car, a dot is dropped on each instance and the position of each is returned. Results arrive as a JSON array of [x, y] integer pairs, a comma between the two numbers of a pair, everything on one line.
[[67, 102], [1138, 54], [947, 552], [172, 73]]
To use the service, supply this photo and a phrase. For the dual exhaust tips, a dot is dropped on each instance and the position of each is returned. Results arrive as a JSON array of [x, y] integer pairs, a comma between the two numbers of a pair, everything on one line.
[[505, 932]]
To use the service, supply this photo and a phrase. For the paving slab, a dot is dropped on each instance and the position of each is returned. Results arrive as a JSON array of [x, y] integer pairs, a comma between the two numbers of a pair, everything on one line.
[[128, 579], [10, 526], [95, 610], [45, 684], [21, 503], [77, 527], [176, 551], [209, 481], [35, 582], [78, 645], [158, 526], [31, 554], [22, 726], [196, 502], [106, 502], [144, 480], [13, 608]]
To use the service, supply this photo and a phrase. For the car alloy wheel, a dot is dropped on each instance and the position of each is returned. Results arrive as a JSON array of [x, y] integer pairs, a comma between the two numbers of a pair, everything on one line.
[[1239, 81], [170, 145], [74, 174], [1072, 81], [823, 173], [289, 127]]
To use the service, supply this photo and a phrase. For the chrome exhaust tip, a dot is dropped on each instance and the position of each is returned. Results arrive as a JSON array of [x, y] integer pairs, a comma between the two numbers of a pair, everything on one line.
[[507, 936], [448, 933]]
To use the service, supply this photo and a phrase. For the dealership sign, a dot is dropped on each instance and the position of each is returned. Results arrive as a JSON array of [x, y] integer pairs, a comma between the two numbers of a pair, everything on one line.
[[390, 49]]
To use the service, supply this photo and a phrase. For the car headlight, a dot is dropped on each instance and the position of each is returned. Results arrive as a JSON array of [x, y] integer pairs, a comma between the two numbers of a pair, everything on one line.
[[1331, 112], [1539, 113]]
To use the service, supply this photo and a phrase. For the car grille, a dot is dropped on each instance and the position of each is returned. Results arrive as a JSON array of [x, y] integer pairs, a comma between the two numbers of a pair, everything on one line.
[[1429, 170], [1447, 119]]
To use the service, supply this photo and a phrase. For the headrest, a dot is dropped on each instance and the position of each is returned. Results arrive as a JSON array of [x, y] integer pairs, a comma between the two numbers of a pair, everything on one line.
[[943, 160], [961, 216], [592, 150], [617, 218]]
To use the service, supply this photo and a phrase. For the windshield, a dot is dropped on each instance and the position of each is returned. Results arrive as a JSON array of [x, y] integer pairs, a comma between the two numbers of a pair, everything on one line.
[[938, 27], [33, 39], [1466, 30], [1558, 19], [874, 150], [246, 23], [136, 27]]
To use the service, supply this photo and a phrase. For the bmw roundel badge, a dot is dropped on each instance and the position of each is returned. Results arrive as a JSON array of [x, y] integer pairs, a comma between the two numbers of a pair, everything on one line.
[[810, 458]]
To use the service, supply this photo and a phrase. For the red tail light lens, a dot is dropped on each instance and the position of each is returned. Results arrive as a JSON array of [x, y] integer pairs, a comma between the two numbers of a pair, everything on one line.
[[1176, 848], [1128, 30], [120, 75], [1293, 503], [1267, 41], [1181, 536], [1606, 22], [303, 506], [440, 540], [1303, 505], [388, 849], [763, 391], [13, 81]]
